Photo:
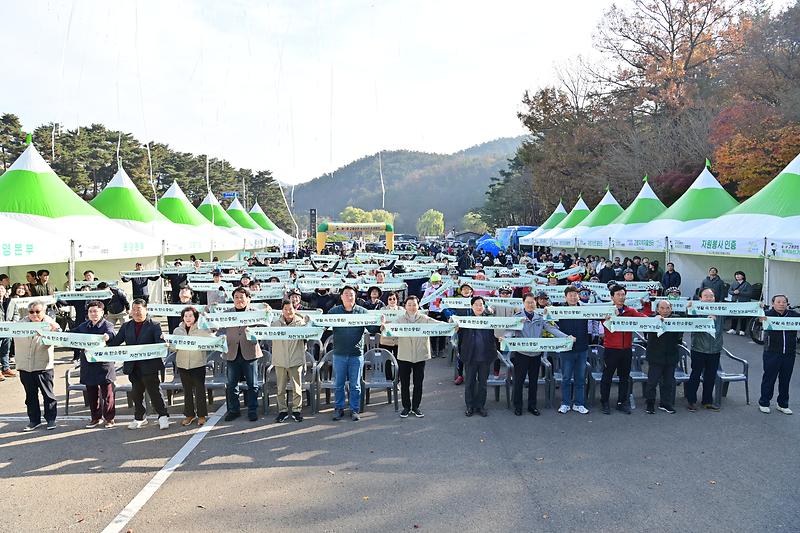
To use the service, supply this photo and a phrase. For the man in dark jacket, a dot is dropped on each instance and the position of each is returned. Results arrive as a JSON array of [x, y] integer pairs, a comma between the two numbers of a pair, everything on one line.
[[662, 358], [98, 377], [143, 374], [671, 277], [779, 356], [573, 362], [715, 283], [117, 306], [140, 287], [176, 283], [607, 273], [476, 348]]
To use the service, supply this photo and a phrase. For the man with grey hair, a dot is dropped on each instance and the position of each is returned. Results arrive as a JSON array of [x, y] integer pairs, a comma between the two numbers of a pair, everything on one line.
[[35, 367]]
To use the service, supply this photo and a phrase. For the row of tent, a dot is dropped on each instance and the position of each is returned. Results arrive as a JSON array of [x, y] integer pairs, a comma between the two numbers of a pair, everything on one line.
[[42, 221], [706, 225]]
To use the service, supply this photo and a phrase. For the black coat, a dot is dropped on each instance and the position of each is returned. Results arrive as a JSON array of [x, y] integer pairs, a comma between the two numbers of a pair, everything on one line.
[[95, 373], [150, 334], [781, 342], [663, 350], [476, 345]]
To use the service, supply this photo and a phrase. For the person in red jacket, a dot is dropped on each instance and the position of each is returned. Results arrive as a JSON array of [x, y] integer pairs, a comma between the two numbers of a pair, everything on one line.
[[617, 354]]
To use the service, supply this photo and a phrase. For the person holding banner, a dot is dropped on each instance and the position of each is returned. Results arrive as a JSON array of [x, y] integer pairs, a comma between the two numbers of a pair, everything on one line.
[[662, 358], [143, 373], [218, 295], [185, 297], [176, 282], [348, 356], [373, 301], [617, 353], [412, 353], [573, 362], [35, 366], [432, 293], [97, 377], [5, 343], [529, 363], [705, 352], [191, 365], [117, 306], [779, 355], [139, 285], [477, 350], [242, 357], [739, 291], [289, 358]]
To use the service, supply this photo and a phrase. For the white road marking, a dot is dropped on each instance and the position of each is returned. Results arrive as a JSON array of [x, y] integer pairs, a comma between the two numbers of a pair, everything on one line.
[[136, 504]]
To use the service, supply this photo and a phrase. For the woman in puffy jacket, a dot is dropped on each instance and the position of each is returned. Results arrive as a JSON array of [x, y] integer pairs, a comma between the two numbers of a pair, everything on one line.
[[191, 365], [739, 291]]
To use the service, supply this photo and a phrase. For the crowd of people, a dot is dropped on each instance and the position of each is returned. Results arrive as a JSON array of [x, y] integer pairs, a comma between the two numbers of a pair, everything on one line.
[[290, 290]]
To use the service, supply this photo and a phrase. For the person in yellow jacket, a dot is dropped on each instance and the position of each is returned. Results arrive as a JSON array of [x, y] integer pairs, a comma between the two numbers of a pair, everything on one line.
[[289, 358], [191, 365], [412, 352], [35, 367]]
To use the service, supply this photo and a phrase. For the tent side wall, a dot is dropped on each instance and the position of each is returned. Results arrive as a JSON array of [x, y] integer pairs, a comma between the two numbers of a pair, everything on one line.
[[694, 269], [784, 278]]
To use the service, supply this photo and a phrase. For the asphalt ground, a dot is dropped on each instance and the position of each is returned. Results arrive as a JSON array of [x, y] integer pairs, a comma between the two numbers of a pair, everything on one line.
[[734, 470]]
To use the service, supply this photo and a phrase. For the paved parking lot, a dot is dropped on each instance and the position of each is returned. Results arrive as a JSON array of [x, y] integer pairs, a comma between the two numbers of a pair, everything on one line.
[[734, 470]]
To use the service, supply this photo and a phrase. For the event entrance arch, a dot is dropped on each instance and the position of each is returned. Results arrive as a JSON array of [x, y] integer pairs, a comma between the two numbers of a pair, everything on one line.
[[355, 227]]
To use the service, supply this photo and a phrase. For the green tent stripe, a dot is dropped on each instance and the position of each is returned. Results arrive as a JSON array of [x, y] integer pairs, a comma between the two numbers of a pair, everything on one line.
[[601, 215], [243, 219], [574, 218], [700, 204], [122, 203], [778, 198], [263, 221], [40, 193], [641, 210], [180, 212], [220, 217]]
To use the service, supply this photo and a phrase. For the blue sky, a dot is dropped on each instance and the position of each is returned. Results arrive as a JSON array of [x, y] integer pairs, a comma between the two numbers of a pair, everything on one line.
[[300, 87]]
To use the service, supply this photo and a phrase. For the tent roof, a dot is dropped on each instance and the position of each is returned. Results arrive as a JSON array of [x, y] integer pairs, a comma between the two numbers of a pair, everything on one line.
[[704, 199], [30, 186], [554, 218], [176, 206], [212, 210], [261, 218], [237, 212], [606, 211], [121, 200], [644, 208], [779, 197], [576, 216]]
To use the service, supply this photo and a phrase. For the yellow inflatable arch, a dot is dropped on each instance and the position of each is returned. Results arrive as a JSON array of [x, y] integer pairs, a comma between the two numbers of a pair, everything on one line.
[[355, 227]]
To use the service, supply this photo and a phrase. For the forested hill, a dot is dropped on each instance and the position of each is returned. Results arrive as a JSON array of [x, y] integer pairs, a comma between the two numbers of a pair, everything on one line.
[[415, 182]]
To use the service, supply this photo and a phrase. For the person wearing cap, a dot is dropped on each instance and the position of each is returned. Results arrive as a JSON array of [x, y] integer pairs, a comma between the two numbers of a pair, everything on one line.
[[373, 301], [322, 299], [435, 309], [296, 298], [348, 355], [176, 283], [662, 358], [245, 281], [628, 275]]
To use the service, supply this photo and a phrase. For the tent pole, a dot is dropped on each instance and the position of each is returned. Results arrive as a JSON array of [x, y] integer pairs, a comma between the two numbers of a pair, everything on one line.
[[765, 290], [610, 251], [71, 265], [211, 251], [666, 252], [162, 264]]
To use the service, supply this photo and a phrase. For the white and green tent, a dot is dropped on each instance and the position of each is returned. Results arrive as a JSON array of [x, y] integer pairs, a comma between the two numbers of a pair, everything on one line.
[[575, 217], [703, 201], [644, 208], [604, 213], [33, 195], [211, 209], [175, 206], [238, 213], [261, 218], [552, 221], [122, 201]]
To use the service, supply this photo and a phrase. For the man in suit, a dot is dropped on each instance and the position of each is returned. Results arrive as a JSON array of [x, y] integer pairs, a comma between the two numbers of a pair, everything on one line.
[[143, 374], [242, 357]]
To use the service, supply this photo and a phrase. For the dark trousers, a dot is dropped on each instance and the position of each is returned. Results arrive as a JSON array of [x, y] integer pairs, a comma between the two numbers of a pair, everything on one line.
[[617, 360], [475, 375], [151, 384], [101, 401], [739, 323], [437, 343], [707, 365], [526, 366], [663, 376], [33, 383], [194, 391], [776, 367], [405, 371], [388, 369], [236, 370]]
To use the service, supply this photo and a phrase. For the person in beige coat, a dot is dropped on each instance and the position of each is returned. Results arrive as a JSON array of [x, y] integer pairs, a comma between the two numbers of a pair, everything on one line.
[[191, 365], [412, 352], [35, 367], [288, 358]]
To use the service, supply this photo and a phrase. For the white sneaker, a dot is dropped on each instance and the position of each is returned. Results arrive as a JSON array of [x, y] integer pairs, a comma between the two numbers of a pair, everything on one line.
[[163, 422], [784, 410], [731, 331], [563, 409], [581, 409], [136, 424], [741, 333], [763, 409]]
